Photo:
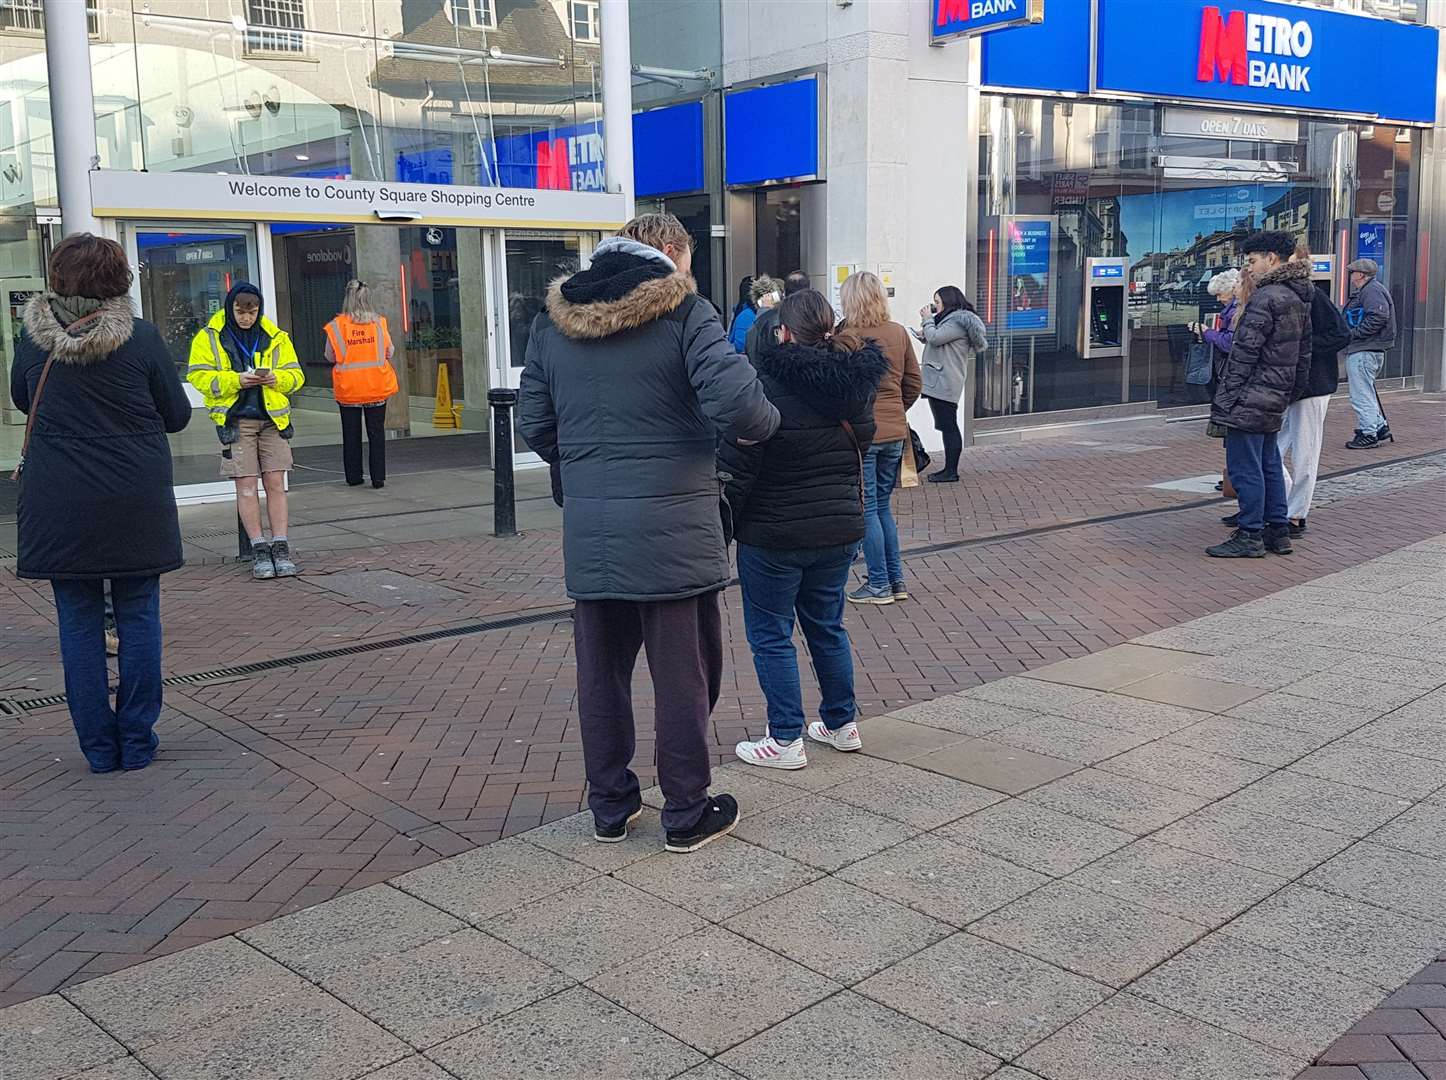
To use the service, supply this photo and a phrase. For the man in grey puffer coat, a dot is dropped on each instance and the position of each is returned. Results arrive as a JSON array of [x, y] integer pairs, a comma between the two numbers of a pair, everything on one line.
[[629, 383]]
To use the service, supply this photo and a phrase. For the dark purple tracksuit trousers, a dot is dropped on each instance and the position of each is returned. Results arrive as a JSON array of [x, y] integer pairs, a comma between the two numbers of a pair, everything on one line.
[[684, 642]]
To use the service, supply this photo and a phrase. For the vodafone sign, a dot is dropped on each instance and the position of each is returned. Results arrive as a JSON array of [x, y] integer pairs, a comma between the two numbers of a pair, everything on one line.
[[952, 19]]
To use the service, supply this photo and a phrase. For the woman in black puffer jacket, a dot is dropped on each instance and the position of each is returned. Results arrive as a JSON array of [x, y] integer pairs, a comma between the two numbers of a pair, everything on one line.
[[798, 509]]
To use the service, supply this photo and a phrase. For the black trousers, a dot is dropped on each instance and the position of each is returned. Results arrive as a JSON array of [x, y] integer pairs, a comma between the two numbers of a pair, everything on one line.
[[946, 421], [684, 641], [351, 442]]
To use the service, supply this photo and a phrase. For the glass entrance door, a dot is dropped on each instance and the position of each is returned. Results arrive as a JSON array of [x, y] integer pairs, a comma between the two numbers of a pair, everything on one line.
[[185, 275]]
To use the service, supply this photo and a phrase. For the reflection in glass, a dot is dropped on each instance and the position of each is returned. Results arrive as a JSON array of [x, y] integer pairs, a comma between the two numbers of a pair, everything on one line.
[[534, 260]]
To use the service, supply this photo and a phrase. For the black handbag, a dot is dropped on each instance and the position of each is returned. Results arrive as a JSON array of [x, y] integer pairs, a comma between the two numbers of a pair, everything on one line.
[[1199, 363], [921, 456]]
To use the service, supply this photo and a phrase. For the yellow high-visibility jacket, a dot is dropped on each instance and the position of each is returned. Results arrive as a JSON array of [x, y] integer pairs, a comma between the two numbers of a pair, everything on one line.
[[209, 371]]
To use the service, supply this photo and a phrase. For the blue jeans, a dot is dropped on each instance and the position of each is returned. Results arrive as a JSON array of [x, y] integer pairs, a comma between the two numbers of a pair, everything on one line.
[[881, 541], [1253, 461], [1361, 371], [119, 737], [779, 583]]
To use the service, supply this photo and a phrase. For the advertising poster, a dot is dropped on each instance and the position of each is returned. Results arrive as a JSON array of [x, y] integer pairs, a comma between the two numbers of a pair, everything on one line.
[[1029, 274], [1371, 243]]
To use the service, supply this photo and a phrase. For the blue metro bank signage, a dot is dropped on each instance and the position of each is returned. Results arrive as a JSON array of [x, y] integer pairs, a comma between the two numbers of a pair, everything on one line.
[[956, 18]]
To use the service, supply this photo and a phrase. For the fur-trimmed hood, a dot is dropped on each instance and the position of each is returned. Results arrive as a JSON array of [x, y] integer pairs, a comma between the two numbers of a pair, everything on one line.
[[821, 375], [1294, 275], [628, 285], [97, 339]]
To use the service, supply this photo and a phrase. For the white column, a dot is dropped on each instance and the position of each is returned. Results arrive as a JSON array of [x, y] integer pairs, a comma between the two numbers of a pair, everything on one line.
[[617, 60], [72, 111]]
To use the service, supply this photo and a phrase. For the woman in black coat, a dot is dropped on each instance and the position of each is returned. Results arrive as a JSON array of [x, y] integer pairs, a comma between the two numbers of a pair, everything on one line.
[[96, 503], [797, 502]]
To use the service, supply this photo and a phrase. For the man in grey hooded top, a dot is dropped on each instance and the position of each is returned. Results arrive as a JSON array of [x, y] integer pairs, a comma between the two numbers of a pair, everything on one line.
[[629, 384]]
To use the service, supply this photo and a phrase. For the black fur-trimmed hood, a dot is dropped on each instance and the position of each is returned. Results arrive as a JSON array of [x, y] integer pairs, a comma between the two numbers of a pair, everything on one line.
[[1293, 275], [97, 339], [627, 285], [824, 375]]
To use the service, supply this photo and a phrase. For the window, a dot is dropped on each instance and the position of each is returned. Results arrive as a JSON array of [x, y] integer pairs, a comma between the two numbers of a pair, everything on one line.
[[28, 16], [275, 26], [479, 14], [583, 16]]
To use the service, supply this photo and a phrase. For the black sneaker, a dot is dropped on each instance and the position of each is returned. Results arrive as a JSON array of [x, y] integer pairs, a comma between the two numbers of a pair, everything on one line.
[[1242, 544], [719, 818], [1362, 441], [1233, 520], [1384, 435], [900, 590], [262, 568], [1276, 539], [942, 477], [1297, 530], [614, 834]]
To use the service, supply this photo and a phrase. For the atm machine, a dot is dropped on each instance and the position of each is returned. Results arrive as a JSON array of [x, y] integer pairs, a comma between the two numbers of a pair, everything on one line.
[[1105, 330], [1323, 273]]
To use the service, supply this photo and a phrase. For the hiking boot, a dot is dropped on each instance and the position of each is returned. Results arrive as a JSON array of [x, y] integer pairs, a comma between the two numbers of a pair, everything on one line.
[[1276, 539], [1297, 529], [281, 556], [772, 754], [262, 567], [899, 589], [942, 477], [613, 834], [845, 738], [1384, 435], [1362, 441], [1232, 520], [720, 817], [867, 594], [1243, 544]]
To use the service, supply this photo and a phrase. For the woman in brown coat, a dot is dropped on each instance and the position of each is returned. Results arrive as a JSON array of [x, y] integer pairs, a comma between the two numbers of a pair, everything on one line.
[[866, 313]]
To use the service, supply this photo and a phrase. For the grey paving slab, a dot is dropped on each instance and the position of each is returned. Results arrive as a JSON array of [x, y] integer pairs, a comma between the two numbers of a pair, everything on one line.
[[822, 832], [1101, 937], [1187, 691], [1260, 994], [1290, 796], [1424, 674], [1114, 667], [575, 1035], [1036, 837], [330, 936], [124, 1069], [1347, 689], [1409, 732], [192, 988], [710, 1070], [490, 880], [441, 989], [1192, 638], [592, 927], [893, 739], [756, 789], [297, 1036], [839, 930], [1345, 936], [963, 714], [1069, 739], [942, 879], [1323, 718], [1358, 765], [1152, 718], [386, 588], [1263, 744], [1420, 830], [412, 1068], [1130, 1039], [48, 1038], [1271, 667], [1256, 840], [994, 765], [572, 838], [851, 1038], [1009, 1072], [713, 989], [1121, 802], [1181, 883], [1391, 878], [1034, 695], [922, 799], [996, 998], [720, 880], [1184, 768]]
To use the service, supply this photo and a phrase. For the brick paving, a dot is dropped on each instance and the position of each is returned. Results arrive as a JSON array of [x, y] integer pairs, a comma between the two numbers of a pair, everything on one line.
[[1403, 1039], [288, 788]]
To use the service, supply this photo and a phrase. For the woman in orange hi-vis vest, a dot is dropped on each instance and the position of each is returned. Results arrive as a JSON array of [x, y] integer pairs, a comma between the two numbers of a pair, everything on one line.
[[360, 348]]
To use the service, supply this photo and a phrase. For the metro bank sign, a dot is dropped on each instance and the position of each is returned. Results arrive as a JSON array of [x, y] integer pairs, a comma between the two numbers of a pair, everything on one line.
[[1254, 50], [960, 18]]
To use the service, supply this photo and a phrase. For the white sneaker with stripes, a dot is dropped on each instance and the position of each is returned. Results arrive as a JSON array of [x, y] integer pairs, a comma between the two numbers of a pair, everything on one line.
[[845, 738], [772, 754]]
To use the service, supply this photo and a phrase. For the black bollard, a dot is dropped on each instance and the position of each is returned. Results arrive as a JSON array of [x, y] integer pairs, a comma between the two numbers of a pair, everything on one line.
[[243, 542], [504, 497]]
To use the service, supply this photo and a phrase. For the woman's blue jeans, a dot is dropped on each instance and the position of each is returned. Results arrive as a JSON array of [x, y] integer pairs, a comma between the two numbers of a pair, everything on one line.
[[118, 737], [881, 540]]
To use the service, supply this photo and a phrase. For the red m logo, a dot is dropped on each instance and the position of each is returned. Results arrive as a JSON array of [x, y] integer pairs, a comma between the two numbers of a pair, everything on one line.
[[553, 173], [1222, 47], [949, 11]]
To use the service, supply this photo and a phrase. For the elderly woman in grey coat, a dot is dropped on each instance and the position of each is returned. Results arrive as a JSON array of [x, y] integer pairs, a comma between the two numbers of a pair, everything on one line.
[[952, 334]]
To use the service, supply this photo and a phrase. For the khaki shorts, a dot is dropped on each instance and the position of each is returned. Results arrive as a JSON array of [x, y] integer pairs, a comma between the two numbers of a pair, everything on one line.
[[258, 451]]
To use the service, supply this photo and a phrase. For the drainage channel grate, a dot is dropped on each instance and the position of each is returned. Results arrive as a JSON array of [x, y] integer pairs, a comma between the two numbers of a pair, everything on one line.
[[14, 707]]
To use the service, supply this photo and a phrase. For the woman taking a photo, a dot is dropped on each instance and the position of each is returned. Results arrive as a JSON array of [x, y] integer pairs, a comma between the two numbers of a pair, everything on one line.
[[952, 334], [359, 346], [96, 504], [799, 518], [866, 315]]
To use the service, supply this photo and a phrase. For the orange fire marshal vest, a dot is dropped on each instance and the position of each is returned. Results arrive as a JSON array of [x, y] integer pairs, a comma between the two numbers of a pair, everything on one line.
[[361, 375]]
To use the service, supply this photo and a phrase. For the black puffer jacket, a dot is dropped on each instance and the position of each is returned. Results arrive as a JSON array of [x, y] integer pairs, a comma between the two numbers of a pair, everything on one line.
[[1269, 362], [801, 488]]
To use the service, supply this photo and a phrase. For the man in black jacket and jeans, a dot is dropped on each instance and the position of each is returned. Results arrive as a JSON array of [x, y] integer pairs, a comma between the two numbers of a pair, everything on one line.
[[629, 383], [1268, 368]]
